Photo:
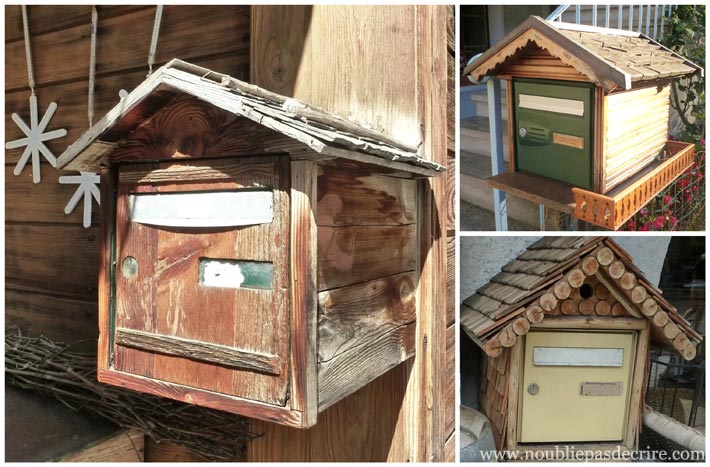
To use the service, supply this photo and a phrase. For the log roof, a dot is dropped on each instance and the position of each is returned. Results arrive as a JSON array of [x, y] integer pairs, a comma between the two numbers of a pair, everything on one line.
[[611, 58], [570, 276], [315, 129]]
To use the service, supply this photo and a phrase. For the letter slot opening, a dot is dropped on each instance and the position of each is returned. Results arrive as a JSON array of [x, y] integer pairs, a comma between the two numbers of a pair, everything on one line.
[[202, 209], [236, 274]]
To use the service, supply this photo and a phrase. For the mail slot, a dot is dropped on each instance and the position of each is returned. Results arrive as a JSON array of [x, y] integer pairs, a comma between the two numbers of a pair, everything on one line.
[[255, 259], [553, 129], [583, 380]]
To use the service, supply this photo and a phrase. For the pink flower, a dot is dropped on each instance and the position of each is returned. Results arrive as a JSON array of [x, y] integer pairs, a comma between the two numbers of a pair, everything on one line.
[[631, 225], [683, 182], [695, 187], [660, 221], [644, 212], [667, 200]]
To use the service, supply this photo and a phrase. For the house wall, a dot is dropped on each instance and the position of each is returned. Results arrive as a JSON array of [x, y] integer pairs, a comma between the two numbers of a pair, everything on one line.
[[51, 261]]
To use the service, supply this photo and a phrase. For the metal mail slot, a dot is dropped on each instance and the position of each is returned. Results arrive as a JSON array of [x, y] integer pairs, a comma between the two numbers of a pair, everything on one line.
[[552, 104], [577, 356], [202, 209], [601, 389]]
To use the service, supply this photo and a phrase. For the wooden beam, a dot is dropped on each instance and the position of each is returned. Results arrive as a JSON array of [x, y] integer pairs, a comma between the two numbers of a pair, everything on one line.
[[123, 446], [515, 377], [430, 363], [638, 383], [590, 322], [303, 284], [197, 350], [201, 397], [630, 307]]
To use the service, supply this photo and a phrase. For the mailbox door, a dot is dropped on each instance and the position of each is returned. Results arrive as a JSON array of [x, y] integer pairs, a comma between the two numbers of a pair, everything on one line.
[[202, 277], [575, 386], [553, 128]]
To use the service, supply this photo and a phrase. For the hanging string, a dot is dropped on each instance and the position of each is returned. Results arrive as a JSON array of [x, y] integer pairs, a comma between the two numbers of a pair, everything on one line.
[[154, 39], [92, 63], [28, 50]]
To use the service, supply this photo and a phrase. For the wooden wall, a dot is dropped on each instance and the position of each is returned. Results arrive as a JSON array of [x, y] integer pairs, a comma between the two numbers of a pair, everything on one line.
[[635, 130], [51, 261], [391, 67]]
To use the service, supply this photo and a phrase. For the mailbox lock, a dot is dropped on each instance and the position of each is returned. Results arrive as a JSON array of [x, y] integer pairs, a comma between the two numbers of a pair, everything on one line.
[[129, 267], [522, 132], [533, 389]]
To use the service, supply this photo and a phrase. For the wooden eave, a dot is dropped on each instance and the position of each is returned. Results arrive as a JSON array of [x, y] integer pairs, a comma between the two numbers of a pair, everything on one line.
[[520, 289], [316, 130], [557, 40]]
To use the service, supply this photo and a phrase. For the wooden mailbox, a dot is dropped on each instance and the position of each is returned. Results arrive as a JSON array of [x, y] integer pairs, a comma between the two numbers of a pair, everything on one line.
[[259, 256], [566, 328], [588, 113]]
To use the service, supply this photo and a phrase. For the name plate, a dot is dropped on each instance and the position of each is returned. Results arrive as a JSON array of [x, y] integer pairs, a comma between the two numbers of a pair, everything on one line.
[[601, 389]]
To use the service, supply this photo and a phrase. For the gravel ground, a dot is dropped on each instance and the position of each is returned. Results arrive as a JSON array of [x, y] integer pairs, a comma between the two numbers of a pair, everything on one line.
[[476, 218]]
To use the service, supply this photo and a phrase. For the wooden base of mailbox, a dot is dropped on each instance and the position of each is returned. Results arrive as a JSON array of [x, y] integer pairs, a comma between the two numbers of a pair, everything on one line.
[[609, 210], [612, 210]]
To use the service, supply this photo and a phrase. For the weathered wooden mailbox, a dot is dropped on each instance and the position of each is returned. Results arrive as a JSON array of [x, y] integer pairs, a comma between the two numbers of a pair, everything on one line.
[[259, 256], [588, 113], [566, 328]]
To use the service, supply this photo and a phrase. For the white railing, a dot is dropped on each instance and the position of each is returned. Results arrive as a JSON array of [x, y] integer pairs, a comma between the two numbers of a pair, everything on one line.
[[651, 25]]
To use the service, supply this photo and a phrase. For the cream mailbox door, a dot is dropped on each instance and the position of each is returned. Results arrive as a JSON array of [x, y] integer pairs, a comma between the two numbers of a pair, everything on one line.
[[575, 386]]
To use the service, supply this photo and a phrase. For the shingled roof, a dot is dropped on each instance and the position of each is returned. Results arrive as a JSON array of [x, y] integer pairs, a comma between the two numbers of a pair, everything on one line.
[[316, 129], [589, 276], [610, 58]]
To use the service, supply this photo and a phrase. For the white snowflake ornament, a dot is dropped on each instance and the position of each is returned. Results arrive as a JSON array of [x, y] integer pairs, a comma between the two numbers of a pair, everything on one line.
[[88, 188], [35, 138]]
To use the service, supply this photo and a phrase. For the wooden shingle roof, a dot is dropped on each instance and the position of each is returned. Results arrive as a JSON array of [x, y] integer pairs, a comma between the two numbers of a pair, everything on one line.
[[590, 276], [611, 58], [309, 127]]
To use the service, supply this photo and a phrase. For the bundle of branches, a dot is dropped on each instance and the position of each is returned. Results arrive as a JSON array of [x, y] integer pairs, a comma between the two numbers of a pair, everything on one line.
[[53, 369]]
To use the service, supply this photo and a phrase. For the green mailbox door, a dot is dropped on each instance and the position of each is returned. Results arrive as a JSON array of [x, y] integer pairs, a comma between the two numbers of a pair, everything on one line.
[[553, 128]]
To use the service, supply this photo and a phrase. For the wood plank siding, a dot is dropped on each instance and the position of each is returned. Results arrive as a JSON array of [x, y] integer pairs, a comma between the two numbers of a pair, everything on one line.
[[51, 261], [636, 130]]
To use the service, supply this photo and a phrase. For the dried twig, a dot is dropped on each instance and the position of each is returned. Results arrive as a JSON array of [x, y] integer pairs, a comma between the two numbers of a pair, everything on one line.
[[53, 369]]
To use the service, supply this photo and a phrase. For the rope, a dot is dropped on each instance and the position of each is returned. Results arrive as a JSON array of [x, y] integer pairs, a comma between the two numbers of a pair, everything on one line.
[[92, 63], [28, 50], [154, 38]]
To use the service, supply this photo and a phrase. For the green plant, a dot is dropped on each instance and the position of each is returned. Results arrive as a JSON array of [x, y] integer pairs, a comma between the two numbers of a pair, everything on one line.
[[685, 34]]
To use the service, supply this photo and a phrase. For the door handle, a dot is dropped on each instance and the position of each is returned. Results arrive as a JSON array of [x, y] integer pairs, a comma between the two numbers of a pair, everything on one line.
[[533, 389]]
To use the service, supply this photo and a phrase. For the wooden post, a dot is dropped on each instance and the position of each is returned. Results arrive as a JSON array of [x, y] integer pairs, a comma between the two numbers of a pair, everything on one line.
[[304, 312]]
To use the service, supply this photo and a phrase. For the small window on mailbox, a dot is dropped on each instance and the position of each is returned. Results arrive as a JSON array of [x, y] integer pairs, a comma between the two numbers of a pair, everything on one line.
[[202, 280]]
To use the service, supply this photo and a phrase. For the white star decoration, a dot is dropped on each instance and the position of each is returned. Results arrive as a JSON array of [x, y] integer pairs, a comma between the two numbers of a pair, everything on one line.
[[87, 188], [35, 138]]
